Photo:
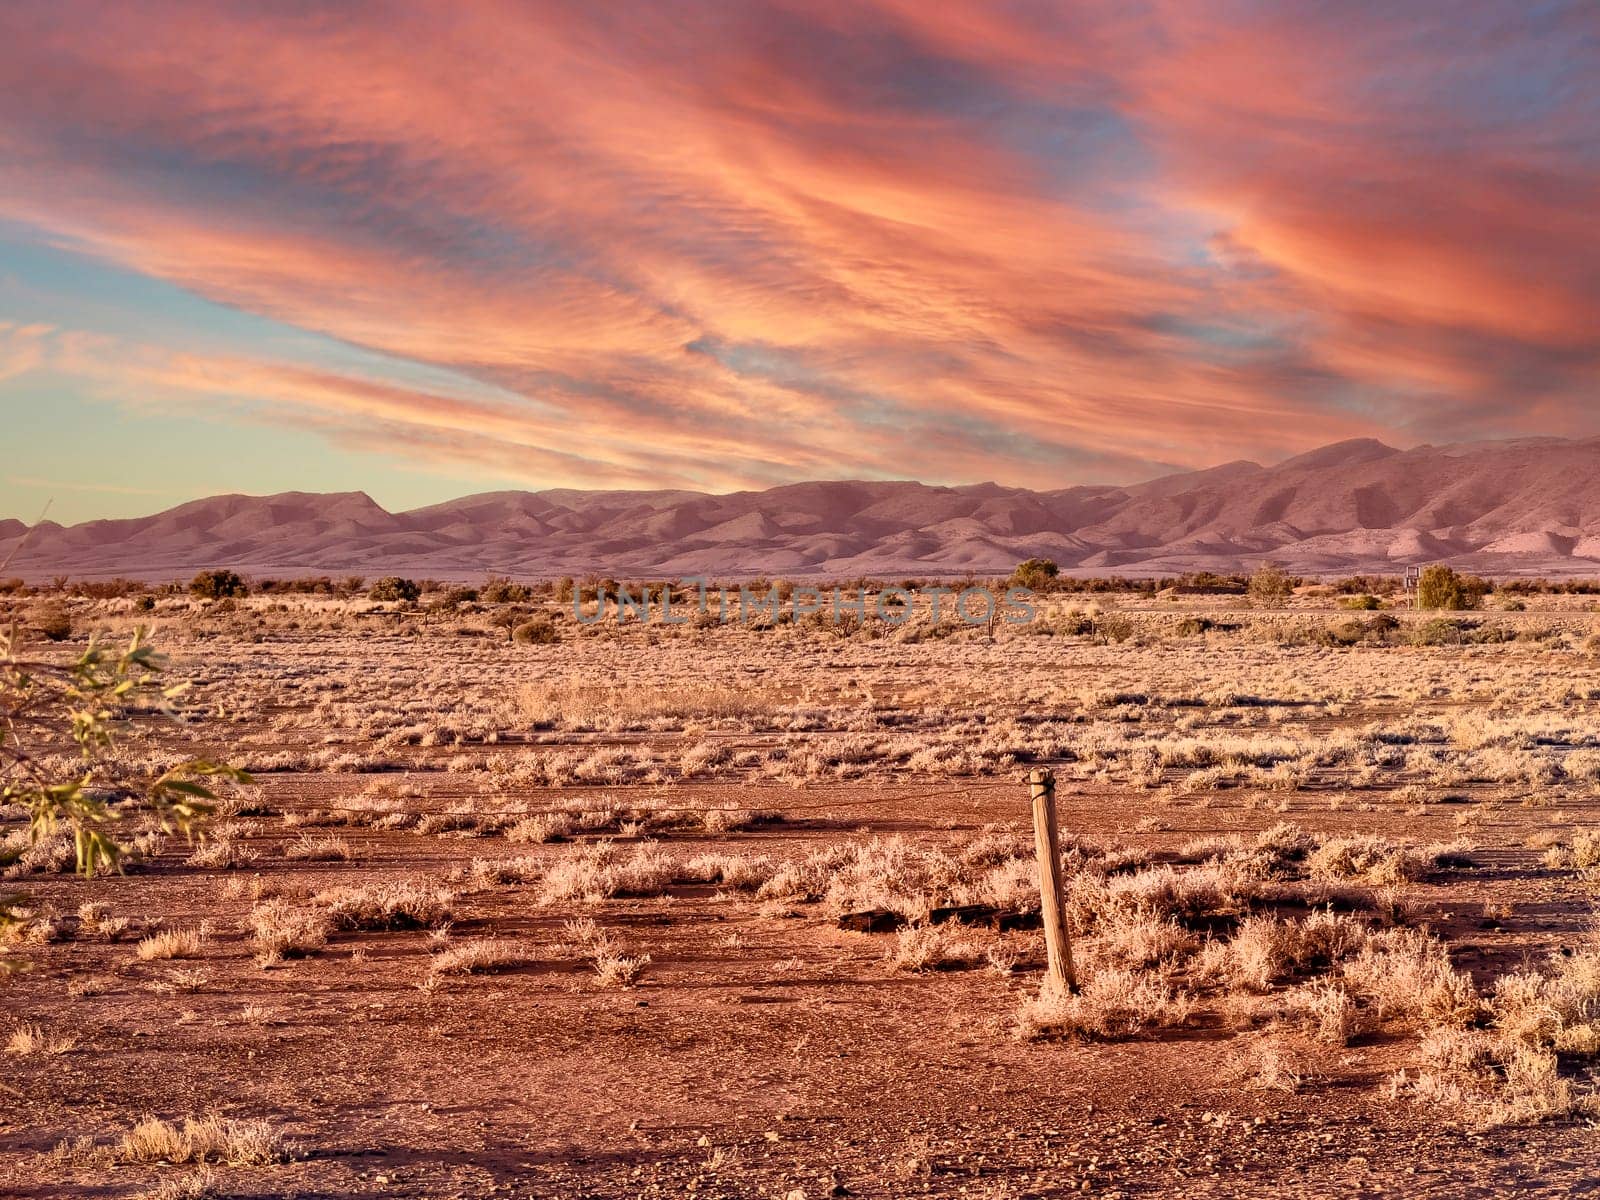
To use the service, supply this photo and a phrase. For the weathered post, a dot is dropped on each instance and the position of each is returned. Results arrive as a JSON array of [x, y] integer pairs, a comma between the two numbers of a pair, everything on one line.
[[1060, 975]]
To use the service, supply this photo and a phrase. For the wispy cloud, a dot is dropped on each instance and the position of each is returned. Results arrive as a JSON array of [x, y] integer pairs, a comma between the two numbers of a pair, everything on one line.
[[714, 245]]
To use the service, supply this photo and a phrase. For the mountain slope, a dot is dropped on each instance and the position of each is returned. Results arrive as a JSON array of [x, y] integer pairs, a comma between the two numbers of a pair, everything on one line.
[[1524, 506]]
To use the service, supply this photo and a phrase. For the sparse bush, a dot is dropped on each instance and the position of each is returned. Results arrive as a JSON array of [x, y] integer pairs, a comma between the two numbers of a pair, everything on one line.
[[1269, 586], [1369, 859], [209, 1139], [393, 589], [1407, 977], [172, 943], [539, 632], [218, 585], [53, 622], [1113, 1004], [285, 930], [1036, 574], [600, 871], [612, 968], [481, 957], [1442, 587], [934, 947], [502, 591], [402, 905]]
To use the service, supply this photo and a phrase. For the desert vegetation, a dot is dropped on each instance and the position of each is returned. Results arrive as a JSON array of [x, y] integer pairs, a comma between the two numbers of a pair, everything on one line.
[[387, 899]]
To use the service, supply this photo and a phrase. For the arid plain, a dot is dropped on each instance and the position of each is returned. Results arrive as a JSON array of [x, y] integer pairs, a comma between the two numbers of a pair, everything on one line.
[[627, 910]]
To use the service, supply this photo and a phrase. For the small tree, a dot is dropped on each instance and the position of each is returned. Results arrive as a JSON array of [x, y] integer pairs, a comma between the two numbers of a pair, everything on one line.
[[392, 587], [53, 622], [540, 631], [1269, 586], [508, 619], [499, 590], [1036, 574], [1442, 587], [218, 585]]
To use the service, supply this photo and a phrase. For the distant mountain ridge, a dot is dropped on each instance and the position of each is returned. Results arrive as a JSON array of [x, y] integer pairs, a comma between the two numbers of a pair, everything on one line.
[[1528, 506]]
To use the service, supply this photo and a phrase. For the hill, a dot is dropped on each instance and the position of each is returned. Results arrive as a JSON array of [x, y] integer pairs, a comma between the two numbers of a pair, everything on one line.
[[1529, 506]]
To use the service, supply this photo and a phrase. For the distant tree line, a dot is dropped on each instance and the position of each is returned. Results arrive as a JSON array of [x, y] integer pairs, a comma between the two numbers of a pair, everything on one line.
[[1038, 574]]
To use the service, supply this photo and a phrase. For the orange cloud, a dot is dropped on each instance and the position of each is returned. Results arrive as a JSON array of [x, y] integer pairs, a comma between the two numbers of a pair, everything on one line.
[[731, 245]]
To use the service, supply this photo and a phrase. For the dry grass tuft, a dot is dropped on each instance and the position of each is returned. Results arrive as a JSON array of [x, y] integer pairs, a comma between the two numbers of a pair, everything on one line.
[[1113, 1004], [217, 1139], [221, 854], [934, 947], [601, 871], [612, 966], [32, 1039], [402, 905], [482, 957], [1407, 977], [282, 929], [172, 943], [1492, 1080]]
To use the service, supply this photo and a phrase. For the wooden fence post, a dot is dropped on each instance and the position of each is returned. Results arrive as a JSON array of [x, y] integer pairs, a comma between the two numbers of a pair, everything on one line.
[[1060, 975]]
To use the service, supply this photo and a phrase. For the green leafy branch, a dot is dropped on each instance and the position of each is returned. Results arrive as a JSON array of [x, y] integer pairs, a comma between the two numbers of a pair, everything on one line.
[[90, 701]]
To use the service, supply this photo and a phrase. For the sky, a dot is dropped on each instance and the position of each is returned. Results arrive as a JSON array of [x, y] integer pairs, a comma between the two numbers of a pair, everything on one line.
[[425, 250]]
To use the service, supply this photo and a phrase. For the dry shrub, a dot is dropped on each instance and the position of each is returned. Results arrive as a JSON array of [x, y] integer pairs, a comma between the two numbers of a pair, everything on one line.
[[1265, 950], [481, 957], [601, 871], [1210, 891], [1272, 1065], [1112, 1004], [730, 870], [172, 943], [934, 947], [1146, 940], [487, 872], [612, 968], [704, 757], [733, 820], [543, 828], [1586, 848], [282, 929], [430, 824], [1322, 1009], [52, 854], [893, 874], [398, 905], [1369, 859], [1407, 977], [1492, 1080], [208, 1139], [1560, 1011], [221, 854], [35, 1039], [1581, 853]]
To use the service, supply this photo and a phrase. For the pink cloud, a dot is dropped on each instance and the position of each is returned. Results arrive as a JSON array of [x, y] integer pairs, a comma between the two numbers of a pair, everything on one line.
[[733, 245]]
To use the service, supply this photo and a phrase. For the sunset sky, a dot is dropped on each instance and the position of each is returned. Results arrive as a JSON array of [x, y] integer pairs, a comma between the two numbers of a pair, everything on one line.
[[423, 250]]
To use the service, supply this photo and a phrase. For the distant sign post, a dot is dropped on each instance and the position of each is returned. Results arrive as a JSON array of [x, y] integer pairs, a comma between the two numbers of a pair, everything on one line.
[[1413, 584]]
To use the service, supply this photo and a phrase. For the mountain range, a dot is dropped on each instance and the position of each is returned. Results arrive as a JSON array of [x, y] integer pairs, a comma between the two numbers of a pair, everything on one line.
[[1528, 506]]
